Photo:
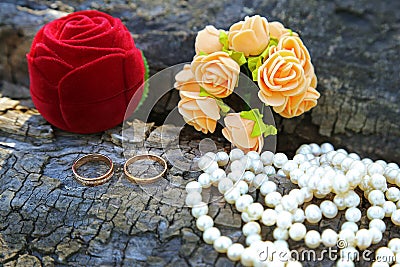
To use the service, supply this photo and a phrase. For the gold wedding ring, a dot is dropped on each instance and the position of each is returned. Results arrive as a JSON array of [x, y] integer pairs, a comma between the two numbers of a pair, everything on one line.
[[139, 180], [93, 181]]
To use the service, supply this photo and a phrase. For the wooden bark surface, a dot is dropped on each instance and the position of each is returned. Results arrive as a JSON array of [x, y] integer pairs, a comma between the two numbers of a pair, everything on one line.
[[47, 219]]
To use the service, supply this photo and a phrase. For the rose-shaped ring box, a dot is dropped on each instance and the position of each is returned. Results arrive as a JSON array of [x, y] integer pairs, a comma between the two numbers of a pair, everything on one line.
[[84, 69]]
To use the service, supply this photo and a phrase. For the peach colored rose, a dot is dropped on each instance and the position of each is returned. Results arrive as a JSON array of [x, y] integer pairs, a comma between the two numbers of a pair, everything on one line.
[[297, 105], [250, 36], [185, 80], [294, 43], [280, 77], [201, 112], [238, 132], [217, 73], [207, 40], [277, 30]]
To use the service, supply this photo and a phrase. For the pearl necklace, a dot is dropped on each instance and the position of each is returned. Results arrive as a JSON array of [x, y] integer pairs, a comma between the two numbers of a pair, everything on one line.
[[318, 171]]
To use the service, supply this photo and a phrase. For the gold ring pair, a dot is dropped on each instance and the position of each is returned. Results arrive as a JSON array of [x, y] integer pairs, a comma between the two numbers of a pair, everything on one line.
[[94, 181]]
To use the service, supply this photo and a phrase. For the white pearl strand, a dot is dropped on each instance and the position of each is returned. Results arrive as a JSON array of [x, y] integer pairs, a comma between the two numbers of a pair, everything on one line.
[[318, 171]]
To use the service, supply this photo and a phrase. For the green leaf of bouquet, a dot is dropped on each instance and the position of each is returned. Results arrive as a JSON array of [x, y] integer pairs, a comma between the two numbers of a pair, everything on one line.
[[146, 83], [238, 57], [203, 92], [270, 130], [201, 53], [223, 39], [224, 107]]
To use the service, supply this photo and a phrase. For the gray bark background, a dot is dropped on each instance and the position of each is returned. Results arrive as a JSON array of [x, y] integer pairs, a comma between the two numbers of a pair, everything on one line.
[[47, 219]]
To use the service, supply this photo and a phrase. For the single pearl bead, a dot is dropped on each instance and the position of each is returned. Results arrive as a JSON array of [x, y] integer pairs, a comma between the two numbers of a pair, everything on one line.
[[324, 186], [279, 208], [243, 187], [389, 207], [305, 166], [313, 182], [375, 168], [379, 224], [326, 147], [302, 180], [352, 226], [312, 239], [289, 203], [338, 158], [366, 161], [339, 202], [259, 180], [298, 195], [267, 187], [246, 217], [249, 256], [256, 166], [347, 235], [396, 217], [193, 186], [384, 254], [252, 238], [297, 231], [204, 180], [200, 209], [193, 199], [268, 217], [232, 195], [255, 210], [225, 185], [267, 157], [280, 234], [390, 175], [308, 196], [315, 149], [392, 165], [378, 181], [354, 156], [328, 209], [222, 243], [354, 177], [284, 220], [330, 155], [204, 222], [246, 163], [279, 160], [313, 213], [269, 170], [393, 194], [303, 149], [298, 216], [251, 228], [351, 199], [341, 150], [340, 184], [376, 197], [236, 154], [243, 202], [237, 165], [235, 176], [344, 263], [211, 168], [211, 234], [353, 214], [222, 158], [272, 199], [329, 238], [289, 166], [248, 176], [295, 174], [346, 163], [375, 212], [235, 252], [253, 155], [205, 162], [364, 185], [363, 239], [376, 235], [359, 166], [394, 245], [299, 158]]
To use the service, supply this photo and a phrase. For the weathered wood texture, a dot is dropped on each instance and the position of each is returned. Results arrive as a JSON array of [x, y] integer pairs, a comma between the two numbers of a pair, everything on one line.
[[47, 219]]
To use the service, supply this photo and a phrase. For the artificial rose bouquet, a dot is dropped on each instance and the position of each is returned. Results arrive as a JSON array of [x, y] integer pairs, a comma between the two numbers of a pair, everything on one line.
[[270, 54]]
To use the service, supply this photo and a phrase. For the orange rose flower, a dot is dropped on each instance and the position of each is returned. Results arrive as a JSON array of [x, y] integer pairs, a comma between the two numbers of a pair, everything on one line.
[[294, 43], [217, 73], [238, 132], [277, 30], [207, 40], [279, 77], [297, 105], [250, 36], [185, 80], [201, 112]]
